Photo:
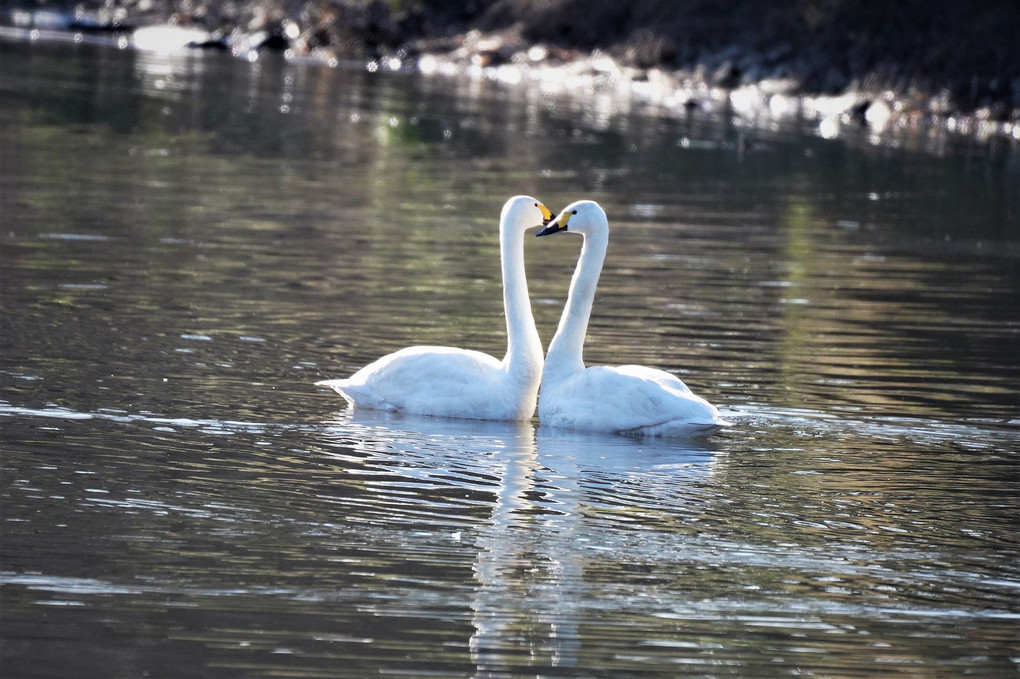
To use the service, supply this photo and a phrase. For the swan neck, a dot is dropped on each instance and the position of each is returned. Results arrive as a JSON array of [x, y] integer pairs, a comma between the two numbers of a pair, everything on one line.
[[524, 349], [565, 351]]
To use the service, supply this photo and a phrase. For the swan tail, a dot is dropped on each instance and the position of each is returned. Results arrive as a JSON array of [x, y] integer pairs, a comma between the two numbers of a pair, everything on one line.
[[359, 395]]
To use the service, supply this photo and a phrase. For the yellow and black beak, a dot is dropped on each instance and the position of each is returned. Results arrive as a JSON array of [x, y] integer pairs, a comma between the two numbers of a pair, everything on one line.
[[557, 225], [547, 215]]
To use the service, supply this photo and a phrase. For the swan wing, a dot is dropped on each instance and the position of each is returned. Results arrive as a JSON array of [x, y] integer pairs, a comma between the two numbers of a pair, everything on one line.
[[661, 377], [628, 399], [442, 381]]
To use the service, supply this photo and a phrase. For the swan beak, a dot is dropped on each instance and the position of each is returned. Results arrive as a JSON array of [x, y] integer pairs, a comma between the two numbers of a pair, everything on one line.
[[560, 224], [547, 215]]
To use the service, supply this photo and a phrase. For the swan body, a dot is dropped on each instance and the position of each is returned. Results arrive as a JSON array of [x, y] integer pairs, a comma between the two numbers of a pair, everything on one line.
[[629, 399], [451, 382]]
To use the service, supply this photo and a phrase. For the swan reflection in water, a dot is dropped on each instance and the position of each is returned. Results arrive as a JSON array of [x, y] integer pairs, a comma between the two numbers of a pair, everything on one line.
[[554, 497]]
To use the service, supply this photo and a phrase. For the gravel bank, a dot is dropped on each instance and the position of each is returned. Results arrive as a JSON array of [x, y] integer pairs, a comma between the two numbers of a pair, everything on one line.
[[929, 65]]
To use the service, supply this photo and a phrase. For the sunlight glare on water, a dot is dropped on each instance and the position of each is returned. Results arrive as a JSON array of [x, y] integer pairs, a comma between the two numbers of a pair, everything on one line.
[[189, 242]]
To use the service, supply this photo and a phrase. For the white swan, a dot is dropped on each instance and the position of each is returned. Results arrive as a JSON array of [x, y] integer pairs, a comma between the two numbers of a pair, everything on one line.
[[630, 399], [449, 382]]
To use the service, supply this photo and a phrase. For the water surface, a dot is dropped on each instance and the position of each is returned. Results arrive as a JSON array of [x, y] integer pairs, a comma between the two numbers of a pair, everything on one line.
[[188, 242]]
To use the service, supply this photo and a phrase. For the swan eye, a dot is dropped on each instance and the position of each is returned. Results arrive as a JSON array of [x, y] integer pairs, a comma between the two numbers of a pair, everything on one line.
[[574, 212], [546, 214]]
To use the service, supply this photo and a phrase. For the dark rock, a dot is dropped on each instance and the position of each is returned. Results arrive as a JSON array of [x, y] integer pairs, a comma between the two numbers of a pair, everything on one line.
[[217, 44], [276, 41], [858, 113]]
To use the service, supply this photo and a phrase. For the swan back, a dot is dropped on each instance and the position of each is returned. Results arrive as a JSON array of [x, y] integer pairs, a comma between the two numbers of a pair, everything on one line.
[[629, 399]]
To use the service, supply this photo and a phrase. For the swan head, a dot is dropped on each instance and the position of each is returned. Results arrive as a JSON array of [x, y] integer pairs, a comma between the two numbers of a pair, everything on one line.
[[525, 212], [584, 217]]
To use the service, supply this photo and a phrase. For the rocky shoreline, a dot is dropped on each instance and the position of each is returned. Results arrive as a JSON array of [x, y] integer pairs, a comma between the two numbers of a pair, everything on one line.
[[908, 67]]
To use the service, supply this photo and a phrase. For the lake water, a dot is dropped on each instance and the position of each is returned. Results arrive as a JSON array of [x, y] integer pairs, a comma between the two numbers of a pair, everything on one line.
[[189, 242]]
